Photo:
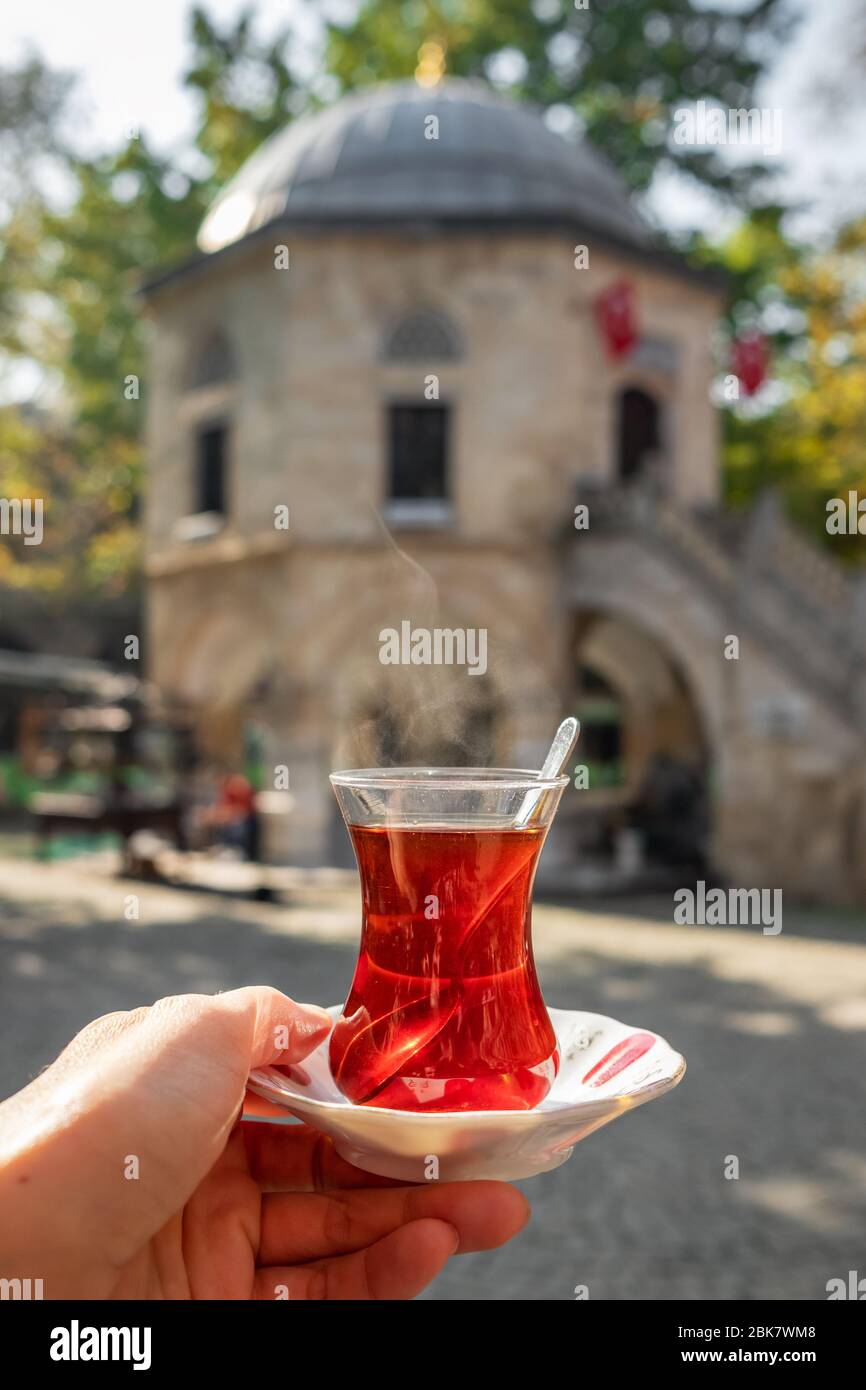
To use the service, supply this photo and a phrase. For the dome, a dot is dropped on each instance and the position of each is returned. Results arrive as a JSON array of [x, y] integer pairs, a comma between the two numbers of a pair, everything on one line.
[[367, 159]]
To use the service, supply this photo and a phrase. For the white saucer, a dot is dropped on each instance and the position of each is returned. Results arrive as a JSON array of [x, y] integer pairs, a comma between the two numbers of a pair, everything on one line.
[[592, 1089]]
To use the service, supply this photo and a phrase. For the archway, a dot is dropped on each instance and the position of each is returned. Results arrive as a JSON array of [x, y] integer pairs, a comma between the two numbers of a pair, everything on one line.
[[646, 751], [224, 669]]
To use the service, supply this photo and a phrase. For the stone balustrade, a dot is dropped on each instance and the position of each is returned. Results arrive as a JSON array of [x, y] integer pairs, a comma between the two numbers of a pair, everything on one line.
[[797, 600]]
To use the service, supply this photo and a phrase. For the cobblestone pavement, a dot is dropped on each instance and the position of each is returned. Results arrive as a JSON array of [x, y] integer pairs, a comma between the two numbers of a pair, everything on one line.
[[774, 1030]]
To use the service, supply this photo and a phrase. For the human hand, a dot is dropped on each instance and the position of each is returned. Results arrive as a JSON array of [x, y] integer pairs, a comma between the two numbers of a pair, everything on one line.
[[125, 1172]]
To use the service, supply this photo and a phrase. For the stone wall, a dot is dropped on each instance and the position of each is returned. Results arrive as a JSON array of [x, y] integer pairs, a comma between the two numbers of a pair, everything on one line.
[[534, 397]]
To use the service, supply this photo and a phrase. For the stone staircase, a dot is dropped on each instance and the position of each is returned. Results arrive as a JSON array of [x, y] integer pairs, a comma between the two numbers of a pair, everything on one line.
[[767, 579]]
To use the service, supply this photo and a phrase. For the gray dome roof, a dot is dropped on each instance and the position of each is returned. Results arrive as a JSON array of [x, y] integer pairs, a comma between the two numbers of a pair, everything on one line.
[[366, 159]]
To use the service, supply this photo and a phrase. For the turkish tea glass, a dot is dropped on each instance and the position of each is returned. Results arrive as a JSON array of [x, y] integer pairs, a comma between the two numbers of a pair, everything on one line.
[[445, 1010]]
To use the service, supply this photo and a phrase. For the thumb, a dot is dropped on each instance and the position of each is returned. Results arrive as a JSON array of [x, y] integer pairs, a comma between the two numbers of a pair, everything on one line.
[[275, 1028], [163, 1088]]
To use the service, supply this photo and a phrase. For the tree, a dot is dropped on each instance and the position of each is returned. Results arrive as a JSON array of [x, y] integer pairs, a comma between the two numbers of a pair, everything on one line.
[[812, 446], [67, 299], [622, 69], [82, 458], [33, 102], [247, 90]]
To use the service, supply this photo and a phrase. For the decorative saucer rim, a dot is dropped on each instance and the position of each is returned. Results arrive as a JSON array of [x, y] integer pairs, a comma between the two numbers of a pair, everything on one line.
[[261, 1084]]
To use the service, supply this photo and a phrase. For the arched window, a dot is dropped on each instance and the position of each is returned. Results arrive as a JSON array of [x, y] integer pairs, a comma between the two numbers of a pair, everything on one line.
[[422, 335], [639, 440], [214, 364]]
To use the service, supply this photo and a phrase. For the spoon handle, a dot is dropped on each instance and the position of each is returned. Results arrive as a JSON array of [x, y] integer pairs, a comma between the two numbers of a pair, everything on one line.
[[563, 741]]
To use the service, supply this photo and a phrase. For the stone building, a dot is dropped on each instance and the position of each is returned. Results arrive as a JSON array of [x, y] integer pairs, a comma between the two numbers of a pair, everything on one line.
[[377, 397]]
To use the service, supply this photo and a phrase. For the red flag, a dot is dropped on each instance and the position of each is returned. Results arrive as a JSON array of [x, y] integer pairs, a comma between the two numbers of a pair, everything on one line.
[[616, 313], [750, 359]]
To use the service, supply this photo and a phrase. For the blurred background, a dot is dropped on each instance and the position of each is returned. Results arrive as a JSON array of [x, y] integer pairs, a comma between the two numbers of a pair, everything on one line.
[[319, 320]]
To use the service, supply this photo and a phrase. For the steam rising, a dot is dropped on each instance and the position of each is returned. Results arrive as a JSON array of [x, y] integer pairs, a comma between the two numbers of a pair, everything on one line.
[[432, 714]]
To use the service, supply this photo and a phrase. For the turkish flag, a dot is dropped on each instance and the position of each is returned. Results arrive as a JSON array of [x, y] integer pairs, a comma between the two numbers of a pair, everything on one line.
[[750, 359], [616, 314]]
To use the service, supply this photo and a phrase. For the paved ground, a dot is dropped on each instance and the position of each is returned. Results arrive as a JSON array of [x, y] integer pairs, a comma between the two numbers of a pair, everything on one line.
[[774, 1029]]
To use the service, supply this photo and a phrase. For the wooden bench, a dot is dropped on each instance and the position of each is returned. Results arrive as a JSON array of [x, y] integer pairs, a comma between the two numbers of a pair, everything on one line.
[[55, 812]]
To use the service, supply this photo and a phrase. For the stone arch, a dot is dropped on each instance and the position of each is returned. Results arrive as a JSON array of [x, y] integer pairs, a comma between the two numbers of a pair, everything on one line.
[[412, 714], [645, 744], [515, 686], [422, 335], [222, 660], [618, 578], [659, 705], [218, 661], [630, 579]]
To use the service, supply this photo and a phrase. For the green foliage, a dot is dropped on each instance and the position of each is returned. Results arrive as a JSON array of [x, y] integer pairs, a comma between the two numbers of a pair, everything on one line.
[[67, 300], [247, 90], [130, 210], [623, 69], [89, 488], [812, 447], [32, 102], [71, 289]]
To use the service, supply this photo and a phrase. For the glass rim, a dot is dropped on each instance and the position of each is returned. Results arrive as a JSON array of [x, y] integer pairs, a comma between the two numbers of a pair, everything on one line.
[[448, 778]]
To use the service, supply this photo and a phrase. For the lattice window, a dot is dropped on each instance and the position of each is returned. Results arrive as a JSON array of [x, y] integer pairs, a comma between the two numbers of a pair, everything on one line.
[[422, 336], [214, 364]]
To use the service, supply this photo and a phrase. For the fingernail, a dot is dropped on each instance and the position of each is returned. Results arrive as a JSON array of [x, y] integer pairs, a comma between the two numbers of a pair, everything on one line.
[[309, 1019], [456, 1234]]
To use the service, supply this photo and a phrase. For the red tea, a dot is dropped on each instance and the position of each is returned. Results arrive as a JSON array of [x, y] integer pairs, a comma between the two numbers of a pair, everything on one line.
[[445, 1010]]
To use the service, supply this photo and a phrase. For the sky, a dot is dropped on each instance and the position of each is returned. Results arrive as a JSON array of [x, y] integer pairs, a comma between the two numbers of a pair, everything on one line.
[[130, 58]]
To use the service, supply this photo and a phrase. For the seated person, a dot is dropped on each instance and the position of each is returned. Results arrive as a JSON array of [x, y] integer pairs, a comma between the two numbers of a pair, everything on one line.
[[233, 819]]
